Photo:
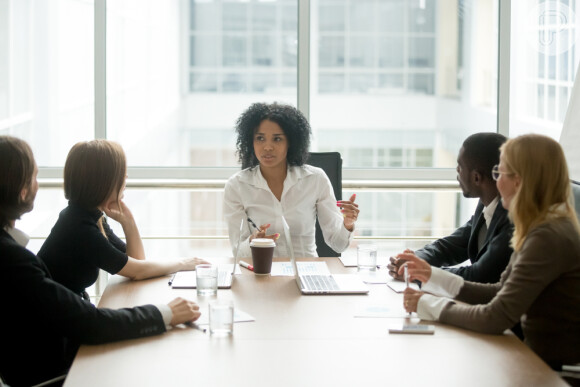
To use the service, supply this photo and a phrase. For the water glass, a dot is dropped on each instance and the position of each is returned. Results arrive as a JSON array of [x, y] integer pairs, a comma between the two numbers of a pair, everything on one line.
[[221, 318], [206, 279], [366, 257]]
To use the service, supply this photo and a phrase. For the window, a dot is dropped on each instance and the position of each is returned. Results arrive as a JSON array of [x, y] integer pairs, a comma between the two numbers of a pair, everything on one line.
[[395, 86], [46, 75], [544, 64]]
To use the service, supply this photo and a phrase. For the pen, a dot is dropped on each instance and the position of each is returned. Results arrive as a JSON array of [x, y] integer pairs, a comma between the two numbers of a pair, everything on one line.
[[193, 325], [171, 279], [253, 224], [407, 278], [246, 265]]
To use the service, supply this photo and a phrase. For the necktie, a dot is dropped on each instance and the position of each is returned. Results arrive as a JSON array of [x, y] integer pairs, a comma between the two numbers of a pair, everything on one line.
[[482, 233]]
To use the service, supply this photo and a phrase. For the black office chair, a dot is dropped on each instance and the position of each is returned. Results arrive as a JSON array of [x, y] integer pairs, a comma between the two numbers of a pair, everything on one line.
[[331, 163]]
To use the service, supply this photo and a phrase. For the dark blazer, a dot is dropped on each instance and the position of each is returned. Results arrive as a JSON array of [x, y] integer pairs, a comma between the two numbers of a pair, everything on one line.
[[488, 263], [43, 323]]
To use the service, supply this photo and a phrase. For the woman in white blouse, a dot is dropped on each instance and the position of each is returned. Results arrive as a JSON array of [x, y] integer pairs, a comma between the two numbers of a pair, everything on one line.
[[541, 284], [273, 140]]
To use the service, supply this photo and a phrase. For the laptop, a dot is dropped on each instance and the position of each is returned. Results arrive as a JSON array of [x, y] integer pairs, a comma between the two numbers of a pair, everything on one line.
[[188, 279], [323, 283]]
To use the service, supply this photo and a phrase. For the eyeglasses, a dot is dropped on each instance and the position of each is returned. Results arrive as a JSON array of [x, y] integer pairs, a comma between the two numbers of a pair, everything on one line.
[[495, 172]]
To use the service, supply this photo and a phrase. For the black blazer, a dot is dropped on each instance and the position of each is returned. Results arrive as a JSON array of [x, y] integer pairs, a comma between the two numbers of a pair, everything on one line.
[[43, 323], [488, 263]]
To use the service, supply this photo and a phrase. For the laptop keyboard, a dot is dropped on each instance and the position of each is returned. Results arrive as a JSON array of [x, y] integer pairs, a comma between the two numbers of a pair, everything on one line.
[[319, 282]]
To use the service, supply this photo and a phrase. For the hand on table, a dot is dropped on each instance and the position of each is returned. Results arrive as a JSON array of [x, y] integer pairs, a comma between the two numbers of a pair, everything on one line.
[[394, 266], [417, 268], [191, 263], [184, 311]]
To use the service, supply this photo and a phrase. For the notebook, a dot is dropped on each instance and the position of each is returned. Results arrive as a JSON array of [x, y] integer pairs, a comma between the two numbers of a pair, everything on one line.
[[188, 279], [323, 283]]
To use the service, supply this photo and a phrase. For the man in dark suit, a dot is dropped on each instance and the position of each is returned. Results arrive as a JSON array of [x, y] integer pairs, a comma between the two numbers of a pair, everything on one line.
[[485, 239], [42, 322]]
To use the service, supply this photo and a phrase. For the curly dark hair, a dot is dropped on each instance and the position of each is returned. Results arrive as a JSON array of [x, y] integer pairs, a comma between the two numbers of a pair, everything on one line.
[[291, 120]]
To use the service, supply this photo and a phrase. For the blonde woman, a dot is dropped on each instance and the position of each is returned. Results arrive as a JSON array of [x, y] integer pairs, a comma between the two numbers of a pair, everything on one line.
[[541, 284], [81, 242]]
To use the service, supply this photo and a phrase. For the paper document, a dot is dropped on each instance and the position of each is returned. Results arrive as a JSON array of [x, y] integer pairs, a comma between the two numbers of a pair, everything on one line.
[[400, 286], [285, 268], [184, 280], [239, 316], [375, 277], [382, 311], [188, 280]]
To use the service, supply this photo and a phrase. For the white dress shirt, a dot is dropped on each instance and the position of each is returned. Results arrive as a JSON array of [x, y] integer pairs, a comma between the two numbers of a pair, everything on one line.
[[489, 211], [442, 283], [307, 193]]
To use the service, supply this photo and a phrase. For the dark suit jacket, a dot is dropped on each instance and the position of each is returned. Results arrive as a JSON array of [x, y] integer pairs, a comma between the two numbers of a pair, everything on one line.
[[42, 322], [488, 263]]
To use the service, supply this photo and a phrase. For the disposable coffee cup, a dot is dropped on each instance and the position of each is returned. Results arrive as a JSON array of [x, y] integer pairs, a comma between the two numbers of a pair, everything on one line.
[[262, 253]]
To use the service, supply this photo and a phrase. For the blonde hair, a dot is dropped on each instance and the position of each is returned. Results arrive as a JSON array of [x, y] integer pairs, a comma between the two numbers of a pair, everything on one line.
[[544, 193]]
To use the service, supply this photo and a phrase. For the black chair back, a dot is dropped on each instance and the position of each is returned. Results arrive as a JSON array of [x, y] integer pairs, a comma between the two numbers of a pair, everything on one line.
[[331, 163]]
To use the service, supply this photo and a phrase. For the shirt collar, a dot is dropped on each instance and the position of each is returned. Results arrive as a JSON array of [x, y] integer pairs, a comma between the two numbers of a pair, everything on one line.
[[254, 177], [19, 236], [489, 210]]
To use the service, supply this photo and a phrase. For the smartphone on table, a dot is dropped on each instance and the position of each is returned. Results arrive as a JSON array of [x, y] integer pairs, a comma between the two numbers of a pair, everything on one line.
[[413, 329]]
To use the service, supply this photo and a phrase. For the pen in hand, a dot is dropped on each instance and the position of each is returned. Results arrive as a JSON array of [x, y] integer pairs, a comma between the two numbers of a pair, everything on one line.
[[253, 224], [246, 265], [406, 278], [170, 282]]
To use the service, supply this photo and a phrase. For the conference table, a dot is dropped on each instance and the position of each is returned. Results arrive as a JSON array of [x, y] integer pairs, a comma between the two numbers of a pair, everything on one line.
[[301, 340]]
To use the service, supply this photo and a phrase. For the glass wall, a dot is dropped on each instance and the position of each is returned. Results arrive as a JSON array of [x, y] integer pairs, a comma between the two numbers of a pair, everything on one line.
[[178, 77], [46, 74], [394, 84], [544, 63]]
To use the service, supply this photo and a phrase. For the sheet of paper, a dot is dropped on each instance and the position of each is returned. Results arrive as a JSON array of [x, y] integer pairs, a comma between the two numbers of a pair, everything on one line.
[[382, 311], [400, 286], [285, 268], [184, 280], [239, 316], [187, 279], [375, 277]]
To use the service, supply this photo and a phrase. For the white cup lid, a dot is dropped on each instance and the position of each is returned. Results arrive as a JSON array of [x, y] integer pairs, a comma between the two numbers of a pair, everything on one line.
[[262, 242]]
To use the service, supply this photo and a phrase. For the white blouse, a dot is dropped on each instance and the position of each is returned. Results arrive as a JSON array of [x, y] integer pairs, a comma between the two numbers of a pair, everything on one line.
[[307, 193]]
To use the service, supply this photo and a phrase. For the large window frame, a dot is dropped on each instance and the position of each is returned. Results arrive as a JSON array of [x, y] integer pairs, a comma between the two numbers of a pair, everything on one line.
[[353, 178]]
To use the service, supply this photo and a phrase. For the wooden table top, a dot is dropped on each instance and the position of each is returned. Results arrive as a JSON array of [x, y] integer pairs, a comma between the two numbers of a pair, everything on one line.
[[299, 340]]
